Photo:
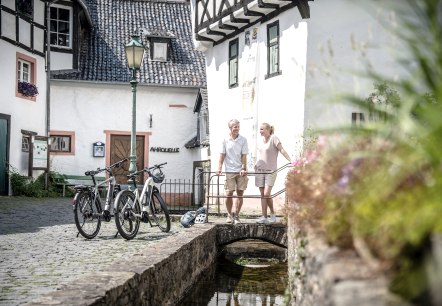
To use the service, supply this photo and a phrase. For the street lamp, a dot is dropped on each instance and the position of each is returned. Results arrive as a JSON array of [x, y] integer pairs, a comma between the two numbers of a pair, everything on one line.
[[134, 54]]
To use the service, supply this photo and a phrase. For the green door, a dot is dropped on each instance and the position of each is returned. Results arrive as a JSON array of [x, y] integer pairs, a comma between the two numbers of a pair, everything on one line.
[[4, 144]]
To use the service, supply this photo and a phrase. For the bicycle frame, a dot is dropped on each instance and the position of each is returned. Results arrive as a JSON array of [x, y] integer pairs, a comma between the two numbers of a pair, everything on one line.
[[144, 202], [111, 181]]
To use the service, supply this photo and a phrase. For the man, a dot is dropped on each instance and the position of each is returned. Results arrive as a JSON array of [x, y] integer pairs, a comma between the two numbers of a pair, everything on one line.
[[234, 156]]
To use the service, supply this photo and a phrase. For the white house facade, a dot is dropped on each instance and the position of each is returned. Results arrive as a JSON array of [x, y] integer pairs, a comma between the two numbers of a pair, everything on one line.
[[22, 75], [346, 38], [91, 97], [256, 70]]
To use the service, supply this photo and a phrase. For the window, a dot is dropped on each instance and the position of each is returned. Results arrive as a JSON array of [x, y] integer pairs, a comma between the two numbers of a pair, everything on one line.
[[25, 7], [24, 71], [26, 77], [60, 26], [159, 51], [357, 119], [233, 63], [273, 49], [62, 143], [25, 140]]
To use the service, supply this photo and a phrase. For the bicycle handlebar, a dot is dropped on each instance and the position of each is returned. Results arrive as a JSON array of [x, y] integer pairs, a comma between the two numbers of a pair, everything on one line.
[[108, 169], [147, 169]]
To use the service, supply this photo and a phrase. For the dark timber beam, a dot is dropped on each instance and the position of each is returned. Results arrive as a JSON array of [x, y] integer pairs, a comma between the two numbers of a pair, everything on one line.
[[304, 8], [248, 12], [262, 4], [227, 26], [238, 20]]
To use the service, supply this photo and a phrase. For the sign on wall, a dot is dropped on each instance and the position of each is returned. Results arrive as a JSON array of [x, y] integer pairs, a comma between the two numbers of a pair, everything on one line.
[[40, 153]]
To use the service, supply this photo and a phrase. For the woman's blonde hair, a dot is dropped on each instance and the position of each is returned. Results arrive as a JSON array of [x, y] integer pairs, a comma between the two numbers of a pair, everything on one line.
[[269, 127]]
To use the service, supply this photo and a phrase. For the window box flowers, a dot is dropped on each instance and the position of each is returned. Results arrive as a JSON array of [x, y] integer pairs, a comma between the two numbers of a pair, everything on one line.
[[27, 89]]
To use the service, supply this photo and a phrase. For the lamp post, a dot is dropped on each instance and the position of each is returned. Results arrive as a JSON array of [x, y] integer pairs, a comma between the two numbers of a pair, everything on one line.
[[134, 54]]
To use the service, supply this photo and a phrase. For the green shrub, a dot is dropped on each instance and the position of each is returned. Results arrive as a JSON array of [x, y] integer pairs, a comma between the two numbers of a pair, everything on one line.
[[27, 186]]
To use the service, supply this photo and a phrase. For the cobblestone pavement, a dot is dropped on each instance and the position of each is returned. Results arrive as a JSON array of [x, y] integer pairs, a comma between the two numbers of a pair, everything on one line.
[[40, 250]]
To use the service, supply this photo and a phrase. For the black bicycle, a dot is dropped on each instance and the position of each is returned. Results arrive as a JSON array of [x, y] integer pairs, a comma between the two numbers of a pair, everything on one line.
[[87, 207], [133, 207]]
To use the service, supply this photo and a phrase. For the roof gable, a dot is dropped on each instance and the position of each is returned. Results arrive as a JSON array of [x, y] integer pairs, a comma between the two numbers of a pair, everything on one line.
[[102, 56]]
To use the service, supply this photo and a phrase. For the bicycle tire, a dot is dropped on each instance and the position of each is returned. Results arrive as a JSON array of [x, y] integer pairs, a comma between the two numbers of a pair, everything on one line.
[[159, 212], [86, 215], [125, 220]]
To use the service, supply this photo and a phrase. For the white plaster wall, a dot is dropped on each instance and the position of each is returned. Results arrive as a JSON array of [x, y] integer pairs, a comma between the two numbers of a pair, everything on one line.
[[278, 100], [91, 108], [25, 114], [343, 37], [60, 61]]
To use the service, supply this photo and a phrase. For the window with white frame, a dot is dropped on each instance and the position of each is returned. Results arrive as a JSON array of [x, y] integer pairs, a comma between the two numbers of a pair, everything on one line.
[[159, 51], [233, 63], [60, 143], [273, 49], [26, 77], [60, 26], [24, 69]]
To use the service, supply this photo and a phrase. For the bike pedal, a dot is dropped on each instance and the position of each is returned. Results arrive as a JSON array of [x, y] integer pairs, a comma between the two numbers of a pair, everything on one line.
[[144, 218]]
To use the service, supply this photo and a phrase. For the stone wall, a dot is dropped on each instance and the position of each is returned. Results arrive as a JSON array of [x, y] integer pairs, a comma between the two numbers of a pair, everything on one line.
[[323, 275], [159, 275]]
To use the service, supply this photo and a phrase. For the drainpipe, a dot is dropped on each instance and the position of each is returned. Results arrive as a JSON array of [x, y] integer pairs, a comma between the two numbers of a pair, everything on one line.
[[48, 79]]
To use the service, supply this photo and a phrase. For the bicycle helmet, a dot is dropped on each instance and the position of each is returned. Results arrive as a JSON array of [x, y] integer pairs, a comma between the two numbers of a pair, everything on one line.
[[157, 176], [201, 218], [188, 219], [201, 210]]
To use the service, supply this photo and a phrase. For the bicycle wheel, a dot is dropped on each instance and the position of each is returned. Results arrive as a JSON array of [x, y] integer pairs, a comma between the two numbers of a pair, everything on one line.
[[86, 214], [126, 209], [159, 212]]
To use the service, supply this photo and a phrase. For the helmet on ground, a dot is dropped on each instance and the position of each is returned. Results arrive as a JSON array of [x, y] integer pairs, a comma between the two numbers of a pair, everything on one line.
[[157, 176], [201, 210], [201, 218], [188, 219]]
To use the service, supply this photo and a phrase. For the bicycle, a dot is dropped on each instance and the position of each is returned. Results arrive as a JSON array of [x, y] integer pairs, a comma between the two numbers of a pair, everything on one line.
[[133, 207], [87, 207]]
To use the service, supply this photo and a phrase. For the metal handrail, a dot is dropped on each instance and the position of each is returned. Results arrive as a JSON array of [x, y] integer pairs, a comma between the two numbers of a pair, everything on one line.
[[218, 196]]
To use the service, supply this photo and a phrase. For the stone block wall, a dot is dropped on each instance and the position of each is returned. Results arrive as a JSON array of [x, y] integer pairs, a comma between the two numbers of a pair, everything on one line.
[[323, 275], [159, 275]]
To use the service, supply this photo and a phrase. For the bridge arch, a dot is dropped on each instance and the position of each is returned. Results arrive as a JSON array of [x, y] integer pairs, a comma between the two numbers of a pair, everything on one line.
[[273, 233]]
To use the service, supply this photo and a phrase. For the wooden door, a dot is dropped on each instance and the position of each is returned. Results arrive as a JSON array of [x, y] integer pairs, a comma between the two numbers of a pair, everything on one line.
[[120, 149]]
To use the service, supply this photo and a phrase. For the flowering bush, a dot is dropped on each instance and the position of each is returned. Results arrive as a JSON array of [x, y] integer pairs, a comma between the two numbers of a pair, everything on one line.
[[27, 89], [379, 191]]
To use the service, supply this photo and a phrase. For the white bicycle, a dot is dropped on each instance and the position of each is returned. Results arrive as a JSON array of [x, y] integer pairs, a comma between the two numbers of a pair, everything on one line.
[[133, 207]]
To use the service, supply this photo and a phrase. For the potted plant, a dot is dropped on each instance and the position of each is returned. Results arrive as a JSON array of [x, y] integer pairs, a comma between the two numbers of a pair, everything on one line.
[[27, 89]]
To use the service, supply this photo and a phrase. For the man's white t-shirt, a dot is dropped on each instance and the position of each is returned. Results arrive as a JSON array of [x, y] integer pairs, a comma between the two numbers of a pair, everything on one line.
[[233, 150]]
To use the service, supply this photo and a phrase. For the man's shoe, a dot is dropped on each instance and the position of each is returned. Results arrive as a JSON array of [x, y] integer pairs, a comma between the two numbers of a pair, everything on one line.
[[229, 219], [236, 220], [272, 219], [262, 220]]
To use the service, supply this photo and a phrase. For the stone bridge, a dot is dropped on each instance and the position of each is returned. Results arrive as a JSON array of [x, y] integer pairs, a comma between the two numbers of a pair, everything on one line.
[[273, 233]]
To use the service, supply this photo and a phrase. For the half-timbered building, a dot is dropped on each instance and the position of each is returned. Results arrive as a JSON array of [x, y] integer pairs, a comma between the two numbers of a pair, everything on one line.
[[256, 54], [23, 84], [91, 97]]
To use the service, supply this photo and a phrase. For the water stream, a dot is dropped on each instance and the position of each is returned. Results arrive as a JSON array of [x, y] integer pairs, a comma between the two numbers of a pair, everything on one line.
[[254, 282]]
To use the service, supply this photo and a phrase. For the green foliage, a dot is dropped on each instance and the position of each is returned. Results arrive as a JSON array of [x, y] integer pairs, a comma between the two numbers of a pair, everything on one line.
[[384, 183], [27, 186]]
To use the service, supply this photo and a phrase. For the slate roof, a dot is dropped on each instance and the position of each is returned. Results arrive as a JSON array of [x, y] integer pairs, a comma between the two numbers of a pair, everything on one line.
[[102, 56]]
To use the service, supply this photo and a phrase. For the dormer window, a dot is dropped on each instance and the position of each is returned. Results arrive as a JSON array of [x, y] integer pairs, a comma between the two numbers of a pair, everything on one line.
[[160, 44], [159, 50]]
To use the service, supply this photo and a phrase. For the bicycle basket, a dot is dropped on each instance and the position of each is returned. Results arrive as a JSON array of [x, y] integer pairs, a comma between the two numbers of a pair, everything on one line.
[[158, 176]]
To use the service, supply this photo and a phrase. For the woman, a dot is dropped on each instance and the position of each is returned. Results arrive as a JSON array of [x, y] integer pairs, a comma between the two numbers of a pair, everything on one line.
[[267, 164]]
